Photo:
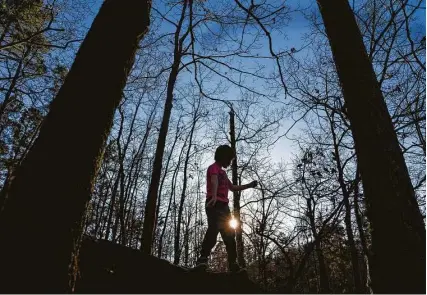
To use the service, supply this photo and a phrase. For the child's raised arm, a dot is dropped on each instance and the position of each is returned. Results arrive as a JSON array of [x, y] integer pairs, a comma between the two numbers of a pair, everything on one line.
[[236, 188]]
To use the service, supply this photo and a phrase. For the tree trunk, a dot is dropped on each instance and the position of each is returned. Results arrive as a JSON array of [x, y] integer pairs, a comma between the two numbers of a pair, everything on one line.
[[100, 203], [398, 230], [123, 196], [41, 224], [164, 175], [177, 237], [300, 269], [173, 185], [116, 184], [133, 182], [111, 207], [162, 234], [236, 195], [366, 251], [150, 207], [357, 282], [323, 272], [187, 239], [137, 165]]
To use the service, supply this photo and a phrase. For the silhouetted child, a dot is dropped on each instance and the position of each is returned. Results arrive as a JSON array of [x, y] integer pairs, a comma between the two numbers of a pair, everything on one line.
[[219, 216]]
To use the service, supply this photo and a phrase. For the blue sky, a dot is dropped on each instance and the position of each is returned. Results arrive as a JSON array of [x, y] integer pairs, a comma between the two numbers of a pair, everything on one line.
[[292, 38]]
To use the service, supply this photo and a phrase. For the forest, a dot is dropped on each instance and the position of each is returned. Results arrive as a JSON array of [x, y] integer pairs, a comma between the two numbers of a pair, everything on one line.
[[111, 111]]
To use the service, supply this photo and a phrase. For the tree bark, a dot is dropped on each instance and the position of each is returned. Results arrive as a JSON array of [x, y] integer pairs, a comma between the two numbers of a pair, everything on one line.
[[236, 195], [398, 230], [41, 223]]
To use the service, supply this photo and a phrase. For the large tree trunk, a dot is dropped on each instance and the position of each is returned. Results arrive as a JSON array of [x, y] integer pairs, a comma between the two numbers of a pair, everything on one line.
[[41, 223], [398, 231]]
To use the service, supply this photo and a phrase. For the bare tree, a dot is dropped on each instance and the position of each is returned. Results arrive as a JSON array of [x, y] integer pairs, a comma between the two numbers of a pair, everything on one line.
[[195, 119]]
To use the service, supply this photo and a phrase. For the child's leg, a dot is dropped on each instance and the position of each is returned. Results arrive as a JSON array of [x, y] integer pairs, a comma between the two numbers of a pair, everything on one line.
[[228, 236], [209, 240]]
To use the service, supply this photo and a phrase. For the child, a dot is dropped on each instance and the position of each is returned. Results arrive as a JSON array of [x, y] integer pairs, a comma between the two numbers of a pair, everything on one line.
[[217, 186]]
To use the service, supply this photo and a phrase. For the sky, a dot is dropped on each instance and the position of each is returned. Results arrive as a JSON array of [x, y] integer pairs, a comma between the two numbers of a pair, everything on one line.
[[284, 148]]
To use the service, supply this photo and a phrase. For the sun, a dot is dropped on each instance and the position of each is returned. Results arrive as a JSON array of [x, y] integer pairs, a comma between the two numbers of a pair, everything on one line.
[[233, 223]]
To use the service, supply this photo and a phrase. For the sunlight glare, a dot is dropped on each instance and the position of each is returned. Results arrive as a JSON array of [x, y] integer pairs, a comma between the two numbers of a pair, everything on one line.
[[233, 223]]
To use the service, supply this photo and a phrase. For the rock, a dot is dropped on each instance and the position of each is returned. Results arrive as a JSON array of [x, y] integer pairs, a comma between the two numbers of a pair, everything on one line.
[[106, 267]]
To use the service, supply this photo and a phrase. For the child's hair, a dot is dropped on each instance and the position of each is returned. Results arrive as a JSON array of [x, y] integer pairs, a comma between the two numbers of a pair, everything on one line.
[[224, 153]]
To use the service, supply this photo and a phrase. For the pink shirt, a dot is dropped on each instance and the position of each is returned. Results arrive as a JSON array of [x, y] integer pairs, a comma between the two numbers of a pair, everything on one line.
[[223, 182]]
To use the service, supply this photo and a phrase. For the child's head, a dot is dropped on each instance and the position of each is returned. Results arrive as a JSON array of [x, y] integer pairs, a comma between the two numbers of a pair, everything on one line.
[[224, 154]]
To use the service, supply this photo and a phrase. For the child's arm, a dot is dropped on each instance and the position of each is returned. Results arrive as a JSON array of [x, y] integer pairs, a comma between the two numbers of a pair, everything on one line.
[[236, 188], [214, 182]]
